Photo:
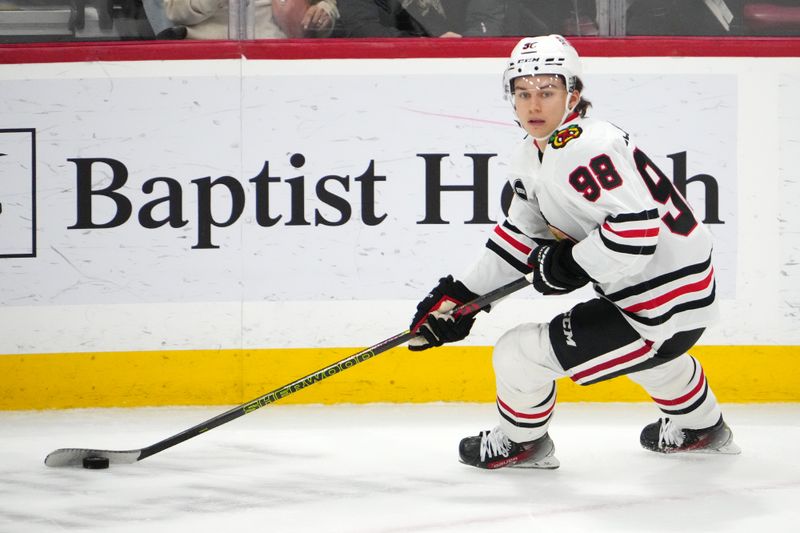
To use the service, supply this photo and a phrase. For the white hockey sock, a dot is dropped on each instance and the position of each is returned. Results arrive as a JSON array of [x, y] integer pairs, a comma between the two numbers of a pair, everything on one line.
[[525, 370], [680, 390], [526, 417]]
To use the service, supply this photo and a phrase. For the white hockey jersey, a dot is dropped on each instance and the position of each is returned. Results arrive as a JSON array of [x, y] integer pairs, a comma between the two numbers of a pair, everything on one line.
[[636, 236]]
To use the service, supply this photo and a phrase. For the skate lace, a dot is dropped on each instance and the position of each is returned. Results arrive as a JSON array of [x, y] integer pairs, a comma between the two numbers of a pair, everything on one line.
[[669, 434], [494, 443]]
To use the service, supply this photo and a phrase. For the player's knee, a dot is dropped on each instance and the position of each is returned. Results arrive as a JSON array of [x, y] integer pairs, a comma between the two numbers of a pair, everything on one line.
[[505, 352], [522, 352]]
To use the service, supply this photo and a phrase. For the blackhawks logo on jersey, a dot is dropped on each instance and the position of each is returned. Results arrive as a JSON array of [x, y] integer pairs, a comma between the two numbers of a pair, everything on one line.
[[560, 138]]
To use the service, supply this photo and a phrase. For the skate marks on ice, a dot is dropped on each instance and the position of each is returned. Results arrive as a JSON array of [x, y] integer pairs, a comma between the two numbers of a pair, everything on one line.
[[391, 468]]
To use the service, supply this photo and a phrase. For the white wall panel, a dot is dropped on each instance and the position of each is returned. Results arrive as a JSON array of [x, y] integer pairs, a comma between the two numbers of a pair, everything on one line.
[[277, 276]]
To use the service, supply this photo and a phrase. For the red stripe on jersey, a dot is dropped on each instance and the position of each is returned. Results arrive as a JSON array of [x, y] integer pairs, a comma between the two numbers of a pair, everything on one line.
[[525, 415], [613, 362], [632, 233], [571, 117], [686, 396], [512, 241], [671, 295]]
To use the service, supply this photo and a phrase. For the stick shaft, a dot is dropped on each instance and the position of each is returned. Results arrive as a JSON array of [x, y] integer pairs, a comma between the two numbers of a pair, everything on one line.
[[290, 388], [277, 394], [73, 456]]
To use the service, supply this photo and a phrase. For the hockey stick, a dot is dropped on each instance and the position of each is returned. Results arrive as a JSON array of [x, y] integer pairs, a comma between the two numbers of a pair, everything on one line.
[[75, 456]]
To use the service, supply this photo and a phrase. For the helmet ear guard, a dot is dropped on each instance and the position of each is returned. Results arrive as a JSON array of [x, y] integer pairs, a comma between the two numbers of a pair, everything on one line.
[[550, 54]]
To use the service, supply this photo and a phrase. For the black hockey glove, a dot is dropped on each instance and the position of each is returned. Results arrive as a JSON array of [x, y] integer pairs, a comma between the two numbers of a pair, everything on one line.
[[555, 270], [432, 323]]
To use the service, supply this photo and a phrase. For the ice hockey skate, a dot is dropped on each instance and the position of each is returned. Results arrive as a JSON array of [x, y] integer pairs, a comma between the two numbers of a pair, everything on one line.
[[493, 449], [665, 437]]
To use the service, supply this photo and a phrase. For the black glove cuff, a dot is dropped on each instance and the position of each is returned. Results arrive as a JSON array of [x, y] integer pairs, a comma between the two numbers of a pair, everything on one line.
[[555, 269], [565, 265]]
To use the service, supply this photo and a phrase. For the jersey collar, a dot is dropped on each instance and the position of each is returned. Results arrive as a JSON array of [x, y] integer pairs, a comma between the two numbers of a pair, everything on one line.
[[572, 116]]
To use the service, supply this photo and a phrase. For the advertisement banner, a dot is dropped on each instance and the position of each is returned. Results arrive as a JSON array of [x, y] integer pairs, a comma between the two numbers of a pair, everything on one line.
[[301, 181]]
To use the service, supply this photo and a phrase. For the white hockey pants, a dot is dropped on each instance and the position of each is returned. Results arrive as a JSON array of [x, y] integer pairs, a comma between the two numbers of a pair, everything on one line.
[[526, 368]]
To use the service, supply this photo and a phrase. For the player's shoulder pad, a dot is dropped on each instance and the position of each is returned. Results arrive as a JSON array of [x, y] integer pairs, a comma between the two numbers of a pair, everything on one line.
[[583, 131]]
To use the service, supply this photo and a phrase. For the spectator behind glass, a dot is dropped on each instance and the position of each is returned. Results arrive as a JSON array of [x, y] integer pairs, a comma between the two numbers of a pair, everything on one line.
[[402, 18], [680, 17], [529, 17], [775, 17], [208, 19]]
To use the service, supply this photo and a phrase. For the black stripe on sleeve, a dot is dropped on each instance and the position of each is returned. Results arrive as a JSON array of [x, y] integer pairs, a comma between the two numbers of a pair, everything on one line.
[[686, 306], [634, 217], [627, 249], [658, 281], [524, 268]]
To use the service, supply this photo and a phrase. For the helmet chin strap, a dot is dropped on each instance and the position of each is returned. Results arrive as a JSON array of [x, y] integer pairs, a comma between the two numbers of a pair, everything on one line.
[[567, 111]]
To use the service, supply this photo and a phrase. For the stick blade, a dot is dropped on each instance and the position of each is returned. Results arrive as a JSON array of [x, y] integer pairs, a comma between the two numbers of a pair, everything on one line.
[[75, 456]]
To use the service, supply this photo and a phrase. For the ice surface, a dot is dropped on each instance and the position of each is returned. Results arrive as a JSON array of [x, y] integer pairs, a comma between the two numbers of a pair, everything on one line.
[[391, 468]]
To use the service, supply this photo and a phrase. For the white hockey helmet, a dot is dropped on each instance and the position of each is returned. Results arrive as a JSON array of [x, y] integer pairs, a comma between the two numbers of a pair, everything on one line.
[[550, 54]]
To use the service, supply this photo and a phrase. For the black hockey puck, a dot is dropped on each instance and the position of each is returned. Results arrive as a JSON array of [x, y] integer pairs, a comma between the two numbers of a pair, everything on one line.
[[95, 462]]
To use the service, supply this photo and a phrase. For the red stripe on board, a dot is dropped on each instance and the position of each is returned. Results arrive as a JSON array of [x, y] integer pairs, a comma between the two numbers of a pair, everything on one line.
[[512, 241], [613, 362], [686, 396], [125, 51], [416, 47], [632, 233], [525, 415], [671, 295]]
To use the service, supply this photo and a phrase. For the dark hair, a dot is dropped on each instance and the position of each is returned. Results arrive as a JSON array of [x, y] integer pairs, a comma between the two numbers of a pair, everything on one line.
[[583, 104]]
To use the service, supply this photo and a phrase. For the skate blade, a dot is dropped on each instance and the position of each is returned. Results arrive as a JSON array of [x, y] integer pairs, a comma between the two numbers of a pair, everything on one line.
[[729, 448], [547, 463]]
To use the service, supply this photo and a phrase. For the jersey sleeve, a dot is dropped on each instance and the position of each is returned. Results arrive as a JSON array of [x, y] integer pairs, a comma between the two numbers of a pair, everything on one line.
[[604, 190], [505, 256]]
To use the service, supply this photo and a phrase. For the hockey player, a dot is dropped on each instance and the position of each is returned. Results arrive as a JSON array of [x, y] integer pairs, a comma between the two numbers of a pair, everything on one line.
[[589, 207]]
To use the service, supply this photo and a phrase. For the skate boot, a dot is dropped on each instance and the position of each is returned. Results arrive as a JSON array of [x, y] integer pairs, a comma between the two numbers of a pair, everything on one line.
[[493, 449], [665, 437]]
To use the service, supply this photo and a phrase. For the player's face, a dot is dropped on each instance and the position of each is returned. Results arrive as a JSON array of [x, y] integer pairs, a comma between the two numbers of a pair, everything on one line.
[[540, 102]]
